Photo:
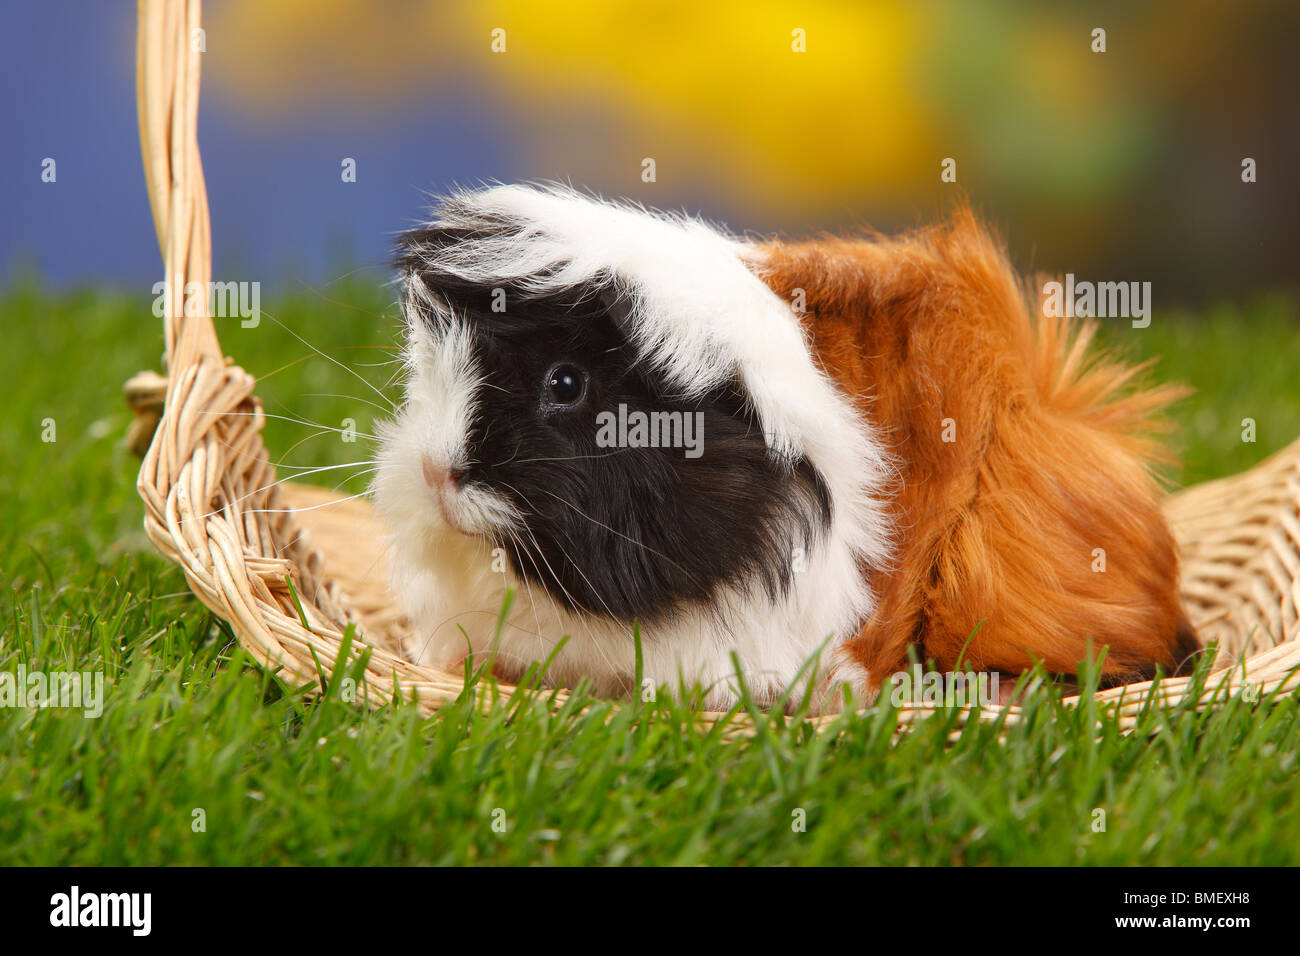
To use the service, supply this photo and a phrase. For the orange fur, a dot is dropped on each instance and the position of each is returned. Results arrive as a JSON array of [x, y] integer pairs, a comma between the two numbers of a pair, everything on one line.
[[1051, 460]]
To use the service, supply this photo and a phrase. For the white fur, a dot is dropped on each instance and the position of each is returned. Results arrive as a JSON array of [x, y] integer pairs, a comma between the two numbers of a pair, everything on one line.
[[701, 315]]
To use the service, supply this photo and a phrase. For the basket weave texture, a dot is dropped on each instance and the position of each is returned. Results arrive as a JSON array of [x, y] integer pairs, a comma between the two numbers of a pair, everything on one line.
[[212, 506]]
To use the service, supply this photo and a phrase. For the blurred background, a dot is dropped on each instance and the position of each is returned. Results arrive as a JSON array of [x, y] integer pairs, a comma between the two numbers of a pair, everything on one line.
[[1117, 166], [1122, 165]]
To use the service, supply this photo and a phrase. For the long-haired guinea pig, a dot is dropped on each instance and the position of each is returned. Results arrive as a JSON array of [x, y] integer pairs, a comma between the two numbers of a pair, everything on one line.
[[854, 449]]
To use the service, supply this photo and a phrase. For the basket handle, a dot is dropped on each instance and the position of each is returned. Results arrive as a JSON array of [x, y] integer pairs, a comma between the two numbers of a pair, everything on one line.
[[167, 101]]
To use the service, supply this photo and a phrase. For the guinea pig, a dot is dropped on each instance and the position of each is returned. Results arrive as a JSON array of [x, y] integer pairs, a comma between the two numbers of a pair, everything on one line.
[[843, 452]]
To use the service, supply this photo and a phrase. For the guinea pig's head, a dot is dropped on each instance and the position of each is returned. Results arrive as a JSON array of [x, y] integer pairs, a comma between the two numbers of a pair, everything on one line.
[[616, 400]]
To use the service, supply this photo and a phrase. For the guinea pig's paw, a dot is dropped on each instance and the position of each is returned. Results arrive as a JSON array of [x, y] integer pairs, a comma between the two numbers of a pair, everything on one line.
[[845, 678]]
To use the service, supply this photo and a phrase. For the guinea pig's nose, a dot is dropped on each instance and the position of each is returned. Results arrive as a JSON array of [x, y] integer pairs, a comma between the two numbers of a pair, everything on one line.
[[435, 476]]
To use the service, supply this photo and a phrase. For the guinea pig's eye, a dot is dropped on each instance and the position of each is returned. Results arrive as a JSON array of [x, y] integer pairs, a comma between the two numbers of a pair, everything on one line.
[[565, 384]]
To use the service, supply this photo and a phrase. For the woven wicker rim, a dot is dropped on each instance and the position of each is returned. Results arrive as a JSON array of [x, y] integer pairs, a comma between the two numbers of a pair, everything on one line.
[[212, 507]]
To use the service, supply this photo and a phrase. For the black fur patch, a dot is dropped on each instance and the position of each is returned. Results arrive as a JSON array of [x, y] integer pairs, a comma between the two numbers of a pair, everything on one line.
[[628, 533]]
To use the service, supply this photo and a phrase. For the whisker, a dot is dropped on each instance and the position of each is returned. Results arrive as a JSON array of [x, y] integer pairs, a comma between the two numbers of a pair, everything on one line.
[[289, 511], [287, 365], [308, 469], [556, 578], [590, 638], [352, 398], [515, 546], [351, 371], [278, 481], [296, 445], [613, 451], [296, 421], [518, 445], [599, 524], [396, 361]]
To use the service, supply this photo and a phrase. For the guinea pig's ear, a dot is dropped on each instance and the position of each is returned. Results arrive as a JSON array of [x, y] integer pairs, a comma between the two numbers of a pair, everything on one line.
[[618, 301], [424, 263]]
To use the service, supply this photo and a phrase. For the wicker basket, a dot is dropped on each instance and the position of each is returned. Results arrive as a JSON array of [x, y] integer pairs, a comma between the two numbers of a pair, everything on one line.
[[211, 507]]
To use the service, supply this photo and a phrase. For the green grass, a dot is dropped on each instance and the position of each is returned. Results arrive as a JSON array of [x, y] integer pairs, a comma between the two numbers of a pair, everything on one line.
[[189, 725]]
